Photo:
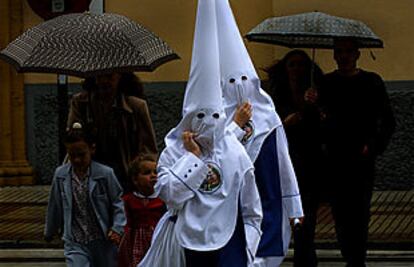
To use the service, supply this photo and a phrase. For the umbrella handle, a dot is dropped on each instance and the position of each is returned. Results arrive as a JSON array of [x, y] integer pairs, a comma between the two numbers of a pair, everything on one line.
[[313, 69]]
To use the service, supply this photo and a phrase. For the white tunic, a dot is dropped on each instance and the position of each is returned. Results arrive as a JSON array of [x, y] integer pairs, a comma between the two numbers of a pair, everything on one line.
[[291, 202], [207, 216]]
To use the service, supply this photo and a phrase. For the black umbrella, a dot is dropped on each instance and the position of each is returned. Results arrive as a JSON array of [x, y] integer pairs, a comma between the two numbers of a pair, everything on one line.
[[85, 44]]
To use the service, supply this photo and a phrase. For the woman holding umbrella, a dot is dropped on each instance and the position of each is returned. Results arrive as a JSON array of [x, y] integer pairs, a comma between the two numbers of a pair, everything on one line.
[[290, 89], [98, 45]]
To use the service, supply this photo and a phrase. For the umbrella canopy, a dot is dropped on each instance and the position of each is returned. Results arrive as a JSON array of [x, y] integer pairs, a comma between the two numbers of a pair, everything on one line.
[[313, 30], [85, 44]]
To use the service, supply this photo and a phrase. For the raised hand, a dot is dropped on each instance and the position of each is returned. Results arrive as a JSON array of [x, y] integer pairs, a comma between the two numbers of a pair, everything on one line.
[[311, 95], [243, 114], [190, 144]]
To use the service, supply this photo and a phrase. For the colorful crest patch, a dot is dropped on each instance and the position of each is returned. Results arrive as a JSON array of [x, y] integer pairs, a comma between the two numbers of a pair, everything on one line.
[[249, 132], [213, 180]]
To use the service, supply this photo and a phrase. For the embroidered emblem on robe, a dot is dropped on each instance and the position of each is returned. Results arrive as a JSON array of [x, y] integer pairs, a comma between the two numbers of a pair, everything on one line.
[[213, 180], [249, 129]]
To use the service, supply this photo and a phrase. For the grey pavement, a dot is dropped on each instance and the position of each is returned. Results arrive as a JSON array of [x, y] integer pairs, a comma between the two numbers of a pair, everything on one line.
[[32, 264], [328, 258], [369, 264], [391, 228], [323, 264], [23, 213], [376, 258]]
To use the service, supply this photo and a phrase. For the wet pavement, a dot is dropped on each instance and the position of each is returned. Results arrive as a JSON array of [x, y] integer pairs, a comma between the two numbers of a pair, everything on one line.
[[22, 214], [392, 222], [327, 258]]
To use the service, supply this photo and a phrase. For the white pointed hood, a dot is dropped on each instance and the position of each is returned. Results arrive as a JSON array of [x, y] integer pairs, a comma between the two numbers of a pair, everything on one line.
[[203, 94], [240, 81], [203, 87]]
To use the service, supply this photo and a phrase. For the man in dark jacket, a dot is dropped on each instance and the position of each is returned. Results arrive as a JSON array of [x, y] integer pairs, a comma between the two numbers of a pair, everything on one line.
[[121, 120], [358, 122]]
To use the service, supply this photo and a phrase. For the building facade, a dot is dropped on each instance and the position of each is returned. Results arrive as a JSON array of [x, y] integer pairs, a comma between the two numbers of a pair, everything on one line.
[[28, 106]]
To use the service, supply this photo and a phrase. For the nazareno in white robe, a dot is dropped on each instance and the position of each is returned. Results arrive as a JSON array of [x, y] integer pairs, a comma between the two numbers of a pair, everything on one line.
[[206, 193], [206, 218], [241, 83]]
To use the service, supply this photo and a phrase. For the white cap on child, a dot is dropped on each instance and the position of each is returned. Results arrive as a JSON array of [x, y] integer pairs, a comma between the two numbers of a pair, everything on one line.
[[76, 125]]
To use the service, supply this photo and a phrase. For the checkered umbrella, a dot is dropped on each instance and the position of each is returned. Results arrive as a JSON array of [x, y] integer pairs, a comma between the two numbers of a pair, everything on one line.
[[85, 44], [312, 30]]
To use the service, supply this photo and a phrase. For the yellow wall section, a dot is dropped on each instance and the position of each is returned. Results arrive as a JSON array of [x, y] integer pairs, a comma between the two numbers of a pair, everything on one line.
[[173, 21]]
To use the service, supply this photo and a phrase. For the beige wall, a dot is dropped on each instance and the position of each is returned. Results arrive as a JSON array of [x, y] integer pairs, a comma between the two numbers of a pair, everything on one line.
[[173, 21], [393, 21]]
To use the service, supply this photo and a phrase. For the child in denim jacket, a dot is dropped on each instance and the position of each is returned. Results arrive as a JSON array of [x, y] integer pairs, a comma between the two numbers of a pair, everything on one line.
[[85, 205]]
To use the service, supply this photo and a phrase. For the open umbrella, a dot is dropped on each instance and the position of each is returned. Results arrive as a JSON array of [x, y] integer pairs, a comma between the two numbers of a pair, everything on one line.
[[313, 30], [85, 44]]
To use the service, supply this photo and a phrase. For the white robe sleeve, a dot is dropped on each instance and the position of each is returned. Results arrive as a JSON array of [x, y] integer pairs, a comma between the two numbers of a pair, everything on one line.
[[235, 128], [290, 191], [251, 210], [177, 184]]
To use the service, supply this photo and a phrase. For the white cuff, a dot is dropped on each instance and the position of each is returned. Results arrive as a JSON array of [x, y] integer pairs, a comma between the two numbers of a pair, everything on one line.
[[190, 170], [235, 128], [252, 241], [293, 206]]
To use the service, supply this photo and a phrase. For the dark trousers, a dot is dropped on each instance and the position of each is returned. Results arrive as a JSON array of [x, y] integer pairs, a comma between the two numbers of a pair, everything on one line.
[[201, 258], [100, 253], [304, 246], [351, 202], [348, 191], [351, 213], [311, 177]]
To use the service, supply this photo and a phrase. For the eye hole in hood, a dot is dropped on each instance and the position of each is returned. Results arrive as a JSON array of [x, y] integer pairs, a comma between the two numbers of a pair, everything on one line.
[[200, 115]]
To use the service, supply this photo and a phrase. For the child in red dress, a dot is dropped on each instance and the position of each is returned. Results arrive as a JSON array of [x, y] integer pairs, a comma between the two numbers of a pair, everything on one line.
[[143, 210]]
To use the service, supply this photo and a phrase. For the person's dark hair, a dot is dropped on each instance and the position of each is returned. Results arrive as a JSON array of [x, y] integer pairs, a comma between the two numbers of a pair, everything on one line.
[[134, 165], [79, 133], [351, 40], [129, 84], [279, 80], [89, 84]]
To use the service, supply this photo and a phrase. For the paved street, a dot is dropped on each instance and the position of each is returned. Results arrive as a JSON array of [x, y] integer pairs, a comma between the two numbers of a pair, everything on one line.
[[32, 264], [23, 212], [370, 264], [391, 229], [377, 258], [324, 264], [328, 258]]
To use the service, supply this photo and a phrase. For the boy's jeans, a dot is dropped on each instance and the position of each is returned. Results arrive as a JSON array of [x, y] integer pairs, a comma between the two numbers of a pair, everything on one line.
[[99, 253]]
